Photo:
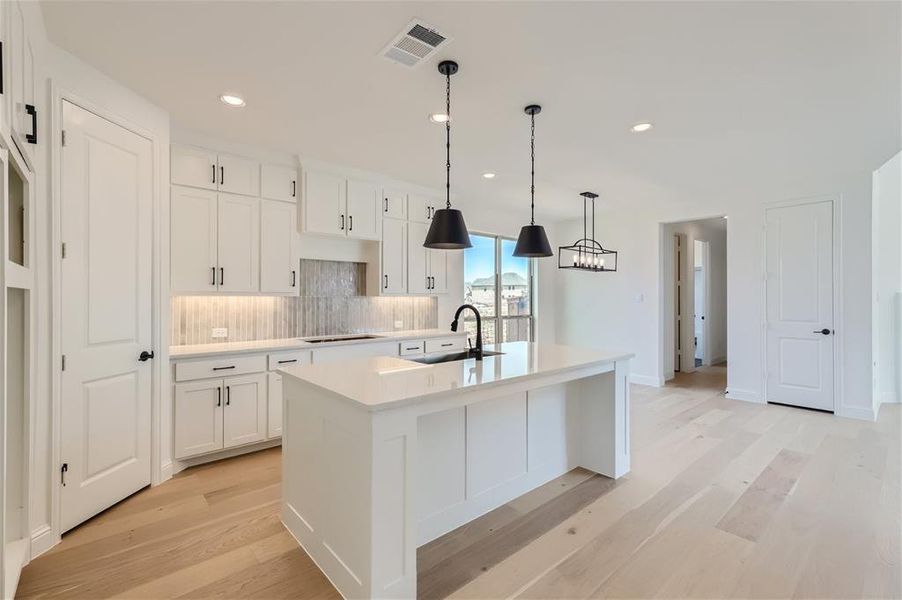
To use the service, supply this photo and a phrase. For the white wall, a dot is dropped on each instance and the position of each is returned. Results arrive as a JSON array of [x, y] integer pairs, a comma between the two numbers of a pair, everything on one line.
[[887, 302], [624, 310]]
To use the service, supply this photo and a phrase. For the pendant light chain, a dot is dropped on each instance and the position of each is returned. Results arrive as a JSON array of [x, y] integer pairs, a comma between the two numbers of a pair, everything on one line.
[[532, 170], [448, 141]]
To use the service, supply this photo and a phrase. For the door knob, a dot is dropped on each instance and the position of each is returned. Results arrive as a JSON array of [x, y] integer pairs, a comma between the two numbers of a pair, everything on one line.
[[823, 331], [145, 355]]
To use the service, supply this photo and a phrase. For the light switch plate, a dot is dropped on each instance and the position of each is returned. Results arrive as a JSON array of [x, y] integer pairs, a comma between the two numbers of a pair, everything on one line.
[[220, 332], [399, 324]]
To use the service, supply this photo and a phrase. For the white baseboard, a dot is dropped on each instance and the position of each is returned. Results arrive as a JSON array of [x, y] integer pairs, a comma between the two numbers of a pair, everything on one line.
[[744, 395], [718, 359], [646, 380], [166, 471], [180, 465], [42, 540], [856, 412], [889, 398]]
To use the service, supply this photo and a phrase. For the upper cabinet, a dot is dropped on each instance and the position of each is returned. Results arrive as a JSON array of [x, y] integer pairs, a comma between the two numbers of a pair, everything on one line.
[[394, 203], [427, 270], [421, 209], [279, 183], [19, 89], [335, 205], [198, 167], [278, 247]]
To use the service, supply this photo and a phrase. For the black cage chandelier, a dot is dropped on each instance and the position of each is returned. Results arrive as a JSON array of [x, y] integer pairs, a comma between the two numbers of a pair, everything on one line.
[[587, 254]]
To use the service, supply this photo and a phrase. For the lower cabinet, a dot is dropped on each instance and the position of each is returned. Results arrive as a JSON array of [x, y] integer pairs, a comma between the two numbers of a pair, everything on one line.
[[213, 414], [275, 405]]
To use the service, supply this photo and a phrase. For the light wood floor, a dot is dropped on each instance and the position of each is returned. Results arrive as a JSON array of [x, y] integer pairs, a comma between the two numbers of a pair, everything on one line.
[[725, 499]]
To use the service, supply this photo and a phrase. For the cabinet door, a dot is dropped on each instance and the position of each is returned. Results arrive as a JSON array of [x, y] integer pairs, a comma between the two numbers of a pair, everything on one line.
[[274, 405], [244, 413], [278, 247], [363, 210], [394, 203], [323, 203], [420, 208], [394, 251], [238, 247], [438, 271], [198, 417], [22, 92], [193, 166], [417, 263], [238, 175], [279, 183], [192, 240]]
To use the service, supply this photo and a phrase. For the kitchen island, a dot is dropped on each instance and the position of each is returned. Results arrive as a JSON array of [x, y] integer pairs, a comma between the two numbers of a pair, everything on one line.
[[383, 454]]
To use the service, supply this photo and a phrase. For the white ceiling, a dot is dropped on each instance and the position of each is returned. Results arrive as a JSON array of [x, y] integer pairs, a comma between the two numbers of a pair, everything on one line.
[[744, 96]]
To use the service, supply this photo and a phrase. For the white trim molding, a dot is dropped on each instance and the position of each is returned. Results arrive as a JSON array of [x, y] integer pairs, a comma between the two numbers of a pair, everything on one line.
[[42, 540], [650, 380]]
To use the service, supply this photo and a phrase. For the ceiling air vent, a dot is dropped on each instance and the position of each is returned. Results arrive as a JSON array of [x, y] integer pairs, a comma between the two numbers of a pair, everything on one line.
[[416, 42]]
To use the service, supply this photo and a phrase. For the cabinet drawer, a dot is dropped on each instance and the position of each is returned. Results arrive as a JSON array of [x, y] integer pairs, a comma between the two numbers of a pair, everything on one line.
[[278, 360], [219, 367], [448, 344], [410, 347]]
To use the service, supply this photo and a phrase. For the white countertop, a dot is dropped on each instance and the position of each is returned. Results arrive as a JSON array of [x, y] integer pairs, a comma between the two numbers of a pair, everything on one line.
[[199, 350], [381, 382]]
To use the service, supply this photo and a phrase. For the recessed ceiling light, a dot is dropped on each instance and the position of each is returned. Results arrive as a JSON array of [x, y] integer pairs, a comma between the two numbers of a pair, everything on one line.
[[232, 100], [640, 127], [489, 175], [438, 118]]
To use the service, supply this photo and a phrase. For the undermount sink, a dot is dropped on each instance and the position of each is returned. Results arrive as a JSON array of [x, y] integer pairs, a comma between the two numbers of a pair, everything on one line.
[[343, 338], [434, 359]]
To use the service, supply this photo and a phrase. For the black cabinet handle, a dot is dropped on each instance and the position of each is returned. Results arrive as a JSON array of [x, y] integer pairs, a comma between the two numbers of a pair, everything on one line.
[[386, 280], [293, 360], [228, 395], [294, 278], [214, 173], [351, 223], [213, 269], [386, 205], [145, 355], [446, 345], [294, 188], [221, 276], [823, 331], [342, 222], [32, 138], [413, 348], [223, 368], [1, 67], [221, 175], [218, 395]]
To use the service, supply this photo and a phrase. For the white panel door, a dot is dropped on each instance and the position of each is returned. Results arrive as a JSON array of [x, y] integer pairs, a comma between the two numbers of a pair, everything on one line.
[[238, 246], [394, 265], [279, 183], [438, 271], [244, 413], [238, 175], [198, 417], [192, 240], [324, 203], [278, 247], [274, 405], [106, 216], [800, 305], [193, 166], [417, 258], [363, 210]]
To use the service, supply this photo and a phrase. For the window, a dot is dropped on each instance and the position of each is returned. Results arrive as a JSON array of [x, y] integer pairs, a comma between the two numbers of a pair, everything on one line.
[[499, 285]]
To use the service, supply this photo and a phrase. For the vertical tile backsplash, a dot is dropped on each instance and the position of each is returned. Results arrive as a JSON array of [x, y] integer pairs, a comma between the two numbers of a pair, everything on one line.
[[332, 302]]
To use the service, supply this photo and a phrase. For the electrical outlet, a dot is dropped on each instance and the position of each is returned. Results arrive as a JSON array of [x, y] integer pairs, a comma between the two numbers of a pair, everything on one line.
[[399, 324], [220, 332]]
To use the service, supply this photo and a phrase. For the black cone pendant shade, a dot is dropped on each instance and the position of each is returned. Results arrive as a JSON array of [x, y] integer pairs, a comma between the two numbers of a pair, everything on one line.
[[448, 230], [532, 242]]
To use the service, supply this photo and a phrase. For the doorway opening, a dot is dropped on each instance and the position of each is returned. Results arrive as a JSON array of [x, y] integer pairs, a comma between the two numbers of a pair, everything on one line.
[[695, 295]]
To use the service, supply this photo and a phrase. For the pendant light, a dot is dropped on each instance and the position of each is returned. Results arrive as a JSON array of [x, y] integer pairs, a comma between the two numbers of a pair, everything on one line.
[[587, 254], [532, 242], [448, 230]]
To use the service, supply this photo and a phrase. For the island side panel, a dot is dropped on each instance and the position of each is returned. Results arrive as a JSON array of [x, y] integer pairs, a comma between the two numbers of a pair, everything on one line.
[[326, 468], [604, 422]]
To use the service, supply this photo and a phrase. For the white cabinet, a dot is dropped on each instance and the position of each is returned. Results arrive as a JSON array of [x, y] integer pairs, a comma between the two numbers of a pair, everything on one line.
[[198, 417], [207, 169], [338, 206], [363, 210], [394, 203], [279, 183], [23, 112], [237, 243], [323, 203], [244, 413], [274, 419], [394, 256], [427, 270], [278, 247], [422, 208], [193, 166], [192, 234]]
